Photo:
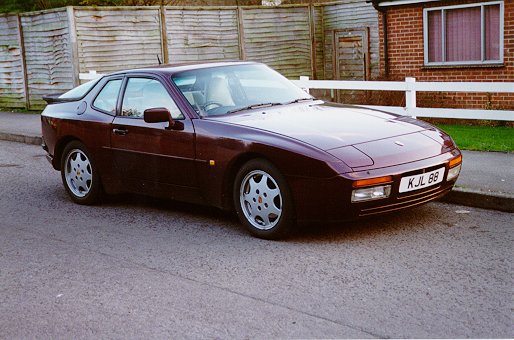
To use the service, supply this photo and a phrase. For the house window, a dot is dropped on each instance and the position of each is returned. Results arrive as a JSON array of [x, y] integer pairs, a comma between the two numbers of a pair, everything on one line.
[[464, 35]]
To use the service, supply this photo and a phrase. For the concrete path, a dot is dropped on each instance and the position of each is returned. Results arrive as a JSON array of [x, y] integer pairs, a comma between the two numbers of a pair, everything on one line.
[[20, 127]]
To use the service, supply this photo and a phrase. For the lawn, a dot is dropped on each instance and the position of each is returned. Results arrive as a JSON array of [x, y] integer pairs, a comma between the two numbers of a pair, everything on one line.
[[481, 138]]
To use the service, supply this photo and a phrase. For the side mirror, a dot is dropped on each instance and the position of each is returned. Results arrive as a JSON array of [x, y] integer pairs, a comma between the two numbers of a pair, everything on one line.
[[159, 115]]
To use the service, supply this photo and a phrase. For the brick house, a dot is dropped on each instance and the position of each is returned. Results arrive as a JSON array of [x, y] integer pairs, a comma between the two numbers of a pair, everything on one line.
[[452, 40]]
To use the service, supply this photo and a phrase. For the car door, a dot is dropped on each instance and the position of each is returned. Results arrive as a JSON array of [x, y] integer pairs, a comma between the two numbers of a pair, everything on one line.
[[149, 157]]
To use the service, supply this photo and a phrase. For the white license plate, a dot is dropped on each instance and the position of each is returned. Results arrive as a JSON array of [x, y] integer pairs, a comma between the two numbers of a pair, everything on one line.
[[421, 181]]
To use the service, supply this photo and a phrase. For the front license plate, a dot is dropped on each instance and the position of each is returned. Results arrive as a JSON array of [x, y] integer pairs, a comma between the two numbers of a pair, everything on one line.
[[421, 181]]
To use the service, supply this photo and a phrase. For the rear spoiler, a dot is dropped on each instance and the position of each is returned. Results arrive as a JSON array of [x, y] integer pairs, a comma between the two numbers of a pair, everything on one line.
[[54, 98]]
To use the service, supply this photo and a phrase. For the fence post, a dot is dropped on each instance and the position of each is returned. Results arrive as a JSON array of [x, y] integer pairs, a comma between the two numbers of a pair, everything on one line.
[[312, 33], [410, 94], [241, 33], [74, 49], [306, 89], [23, 62], [164, 35]]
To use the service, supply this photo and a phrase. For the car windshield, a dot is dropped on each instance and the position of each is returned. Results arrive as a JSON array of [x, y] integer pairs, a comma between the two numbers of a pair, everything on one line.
[[79, 91], [222, 90]]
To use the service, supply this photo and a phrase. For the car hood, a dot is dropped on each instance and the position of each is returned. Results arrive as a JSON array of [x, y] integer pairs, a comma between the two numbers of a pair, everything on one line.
[[359, 136], [326, 126]]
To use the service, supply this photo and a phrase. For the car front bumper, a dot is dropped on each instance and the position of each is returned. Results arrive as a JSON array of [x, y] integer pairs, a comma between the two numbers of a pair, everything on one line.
[[330, 199]]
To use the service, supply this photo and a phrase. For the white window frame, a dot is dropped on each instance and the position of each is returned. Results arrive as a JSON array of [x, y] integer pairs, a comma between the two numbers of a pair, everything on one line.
[[443, 9]]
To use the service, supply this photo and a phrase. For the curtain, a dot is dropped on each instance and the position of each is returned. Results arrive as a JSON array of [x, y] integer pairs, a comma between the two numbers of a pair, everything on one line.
[[435, 43], [463, 36], [492, 32]]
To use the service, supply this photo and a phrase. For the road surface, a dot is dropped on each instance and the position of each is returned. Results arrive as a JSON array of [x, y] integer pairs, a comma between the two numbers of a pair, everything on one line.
[[140, 268]]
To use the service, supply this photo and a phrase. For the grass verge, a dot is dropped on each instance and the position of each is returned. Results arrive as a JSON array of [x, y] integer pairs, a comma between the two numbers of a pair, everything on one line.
[[481, 138]]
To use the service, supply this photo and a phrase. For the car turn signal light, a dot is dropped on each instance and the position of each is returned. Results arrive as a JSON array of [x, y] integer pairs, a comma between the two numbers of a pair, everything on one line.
[[371, 181], [456, 161]]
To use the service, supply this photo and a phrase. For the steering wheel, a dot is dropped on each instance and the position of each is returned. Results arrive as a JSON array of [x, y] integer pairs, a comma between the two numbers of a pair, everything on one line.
[[216, 105]]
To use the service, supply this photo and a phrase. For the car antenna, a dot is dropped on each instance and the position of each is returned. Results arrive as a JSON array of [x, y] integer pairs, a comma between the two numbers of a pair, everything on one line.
[[159, 60]]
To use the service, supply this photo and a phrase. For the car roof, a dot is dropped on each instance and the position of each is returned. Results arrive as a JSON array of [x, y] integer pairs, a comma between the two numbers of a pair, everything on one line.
[[174, 68]]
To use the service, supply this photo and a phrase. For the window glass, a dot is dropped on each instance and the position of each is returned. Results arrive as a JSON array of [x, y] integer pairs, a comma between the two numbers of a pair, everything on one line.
[[144, 93], [107, 98], [435, 37], [224, 89], [492, 32], [469, 34], [79, 91], [463, 34]]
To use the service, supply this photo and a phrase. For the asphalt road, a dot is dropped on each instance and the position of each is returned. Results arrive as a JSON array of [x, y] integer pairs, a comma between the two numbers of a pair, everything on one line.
[[139, 268]]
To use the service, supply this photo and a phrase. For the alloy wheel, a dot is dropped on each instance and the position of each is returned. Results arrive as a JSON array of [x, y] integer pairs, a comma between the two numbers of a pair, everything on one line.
[[261, 200], [78, 173]]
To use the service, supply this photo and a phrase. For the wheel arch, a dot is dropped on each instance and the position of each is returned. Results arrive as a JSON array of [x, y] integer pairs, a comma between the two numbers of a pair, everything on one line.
[[59, 149], [231, 172]]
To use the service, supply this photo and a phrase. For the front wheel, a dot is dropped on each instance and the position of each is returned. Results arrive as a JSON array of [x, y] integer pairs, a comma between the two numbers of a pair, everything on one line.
[[79, 176], [262, 200]]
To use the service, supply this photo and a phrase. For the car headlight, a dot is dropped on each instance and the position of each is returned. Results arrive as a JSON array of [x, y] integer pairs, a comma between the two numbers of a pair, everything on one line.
[[453, 172], [455, 165], [373, 193]]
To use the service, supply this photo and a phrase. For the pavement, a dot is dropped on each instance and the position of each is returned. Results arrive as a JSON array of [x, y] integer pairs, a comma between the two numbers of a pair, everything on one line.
[[486, 180]]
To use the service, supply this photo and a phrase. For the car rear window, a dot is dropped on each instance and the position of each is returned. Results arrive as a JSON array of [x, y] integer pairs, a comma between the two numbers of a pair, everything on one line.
[[79, 91]]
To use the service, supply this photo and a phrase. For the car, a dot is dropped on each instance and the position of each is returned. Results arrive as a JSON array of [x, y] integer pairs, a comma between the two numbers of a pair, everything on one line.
[[240, 136]]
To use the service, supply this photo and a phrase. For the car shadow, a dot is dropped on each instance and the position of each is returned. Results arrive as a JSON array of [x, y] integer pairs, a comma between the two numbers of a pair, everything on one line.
[[405, 221], [162, 204]]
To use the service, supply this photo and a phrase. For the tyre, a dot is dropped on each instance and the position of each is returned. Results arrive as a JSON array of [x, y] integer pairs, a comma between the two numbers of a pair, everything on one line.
[[263, 201], [79, 175]]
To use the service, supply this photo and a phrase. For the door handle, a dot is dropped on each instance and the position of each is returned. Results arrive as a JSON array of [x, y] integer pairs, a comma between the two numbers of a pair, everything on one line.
[[121, 132]]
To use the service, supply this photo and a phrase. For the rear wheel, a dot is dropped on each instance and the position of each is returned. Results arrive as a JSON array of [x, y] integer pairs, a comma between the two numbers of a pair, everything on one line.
[[262, 200], [79, 176]]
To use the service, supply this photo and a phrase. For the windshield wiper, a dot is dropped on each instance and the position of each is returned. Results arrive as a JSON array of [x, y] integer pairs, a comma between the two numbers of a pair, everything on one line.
[[254, 106], [299, 100]]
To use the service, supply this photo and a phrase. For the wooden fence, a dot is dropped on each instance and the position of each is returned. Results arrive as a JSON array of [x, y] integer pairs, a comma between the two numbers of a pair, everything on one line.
[[12, 86], [44, 52]]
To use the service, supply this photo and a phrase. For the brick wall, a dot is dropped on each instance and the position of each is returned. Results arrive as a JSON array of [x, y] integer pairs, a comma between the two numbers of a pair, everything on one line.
[[406, 59]]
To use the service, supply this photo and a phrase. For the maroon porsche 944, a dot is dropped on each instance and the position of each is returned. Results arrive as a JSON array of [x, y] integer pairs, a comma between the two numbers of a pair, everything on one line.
[[240, 136]]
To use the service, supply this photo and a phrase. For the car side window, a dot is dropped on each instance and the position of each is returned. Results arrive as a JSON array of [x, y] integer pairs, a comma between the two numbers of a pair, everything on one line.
[[145, 93], [108, 96]]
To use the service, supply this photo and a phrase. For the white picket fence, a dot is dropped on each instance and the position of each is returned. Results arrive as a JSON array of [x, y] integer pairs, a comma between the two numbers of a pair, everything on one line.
[[410, 87]]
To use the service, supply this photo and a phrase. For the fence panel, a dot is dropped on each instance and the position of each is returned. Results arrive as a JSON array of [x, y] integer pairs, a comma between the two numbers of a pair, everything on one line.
[[196, 34], [12, 92], [117, 38], [47, 54], [279, 37], [350, 14]]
